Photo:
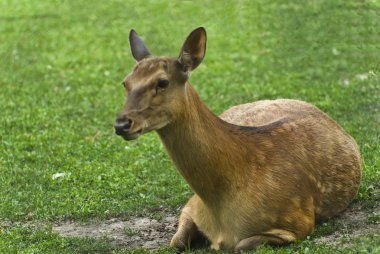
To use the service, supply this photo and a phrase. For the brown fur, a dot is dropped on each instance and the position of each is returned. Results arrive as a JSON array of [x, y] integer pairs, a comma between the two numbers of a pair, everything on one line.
[[263, 172]]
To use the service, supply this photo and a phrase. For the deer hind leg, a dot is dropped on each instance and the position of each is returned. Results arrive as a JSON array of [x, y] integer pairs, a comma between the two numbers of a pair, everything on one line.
[[300, 219], [187, 235], [273, 237]]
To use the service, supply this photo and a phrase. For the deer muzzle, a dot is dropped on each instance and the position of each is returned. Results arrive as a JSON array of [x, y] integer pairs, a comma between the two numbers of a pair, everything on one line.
[[122, 126], [127, 128]]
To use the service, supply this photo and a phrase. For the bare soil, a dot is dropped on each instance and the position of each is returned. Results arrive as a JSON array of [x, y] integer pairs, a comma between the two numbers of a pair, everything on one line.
[[137, 232], [151, 234], [354, 223]]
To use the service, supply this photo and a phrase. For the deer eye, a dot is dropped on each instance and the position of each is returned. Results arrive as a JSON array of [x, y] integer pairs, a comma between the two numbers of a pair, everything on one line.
[[162, 84]]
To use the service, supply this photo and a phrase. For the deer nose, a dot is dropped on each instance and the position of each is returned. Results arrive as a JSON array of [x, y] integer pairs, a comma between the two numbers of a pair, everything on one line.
[[122, 126]]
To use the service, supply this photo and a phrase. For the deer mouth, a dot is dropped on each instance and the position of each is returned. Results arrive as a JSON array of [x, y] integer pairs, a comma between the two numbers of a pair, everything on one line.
[[132, 136], [128, 129]]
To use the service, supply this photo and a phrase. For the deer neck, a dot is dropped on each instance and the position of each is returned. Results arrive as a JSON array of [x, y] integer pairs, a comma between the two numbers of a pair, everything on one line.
[[206, 150]]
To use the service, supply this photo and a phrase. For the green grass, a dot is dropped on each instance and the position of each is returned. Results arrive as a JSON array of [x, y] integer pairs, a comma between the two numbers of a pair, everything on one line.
[[61, 64]]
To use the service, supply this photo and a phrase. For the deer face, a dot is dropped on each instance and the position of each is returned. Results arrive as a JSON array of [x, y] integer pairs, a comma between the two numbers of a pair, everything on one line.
[[155, 89]]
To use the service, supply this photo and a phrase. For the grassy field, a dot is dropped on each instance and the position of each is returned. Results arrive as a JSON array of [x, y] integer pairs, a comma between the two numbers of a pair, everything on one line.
[[61, 64]]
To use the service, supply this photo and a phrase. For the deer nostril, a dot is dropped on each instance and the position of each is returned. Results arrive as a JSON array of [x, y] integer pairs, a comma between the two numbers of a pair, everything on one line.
[[122, 126]]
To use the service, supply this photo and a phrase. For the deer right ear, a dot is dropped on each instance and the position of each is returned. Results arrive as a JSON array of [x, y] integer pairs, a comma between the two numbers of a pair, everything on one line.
[[193, 50], [138, 48]]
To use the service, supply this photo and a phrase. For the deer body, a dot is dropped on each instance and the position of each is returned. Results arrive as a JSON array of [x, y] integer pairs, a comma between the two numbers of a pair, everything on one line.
[[264, 172]]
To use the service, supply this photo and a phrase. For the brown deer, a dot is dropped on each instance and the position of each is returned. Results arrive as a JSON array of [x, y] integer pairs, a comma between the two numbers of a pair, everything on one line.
[[264, 172]]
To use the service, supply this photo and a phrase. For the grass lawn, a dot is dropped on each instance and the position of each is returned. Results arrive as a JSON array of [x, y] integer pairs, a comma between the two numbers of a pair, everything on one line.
[[61, 64]]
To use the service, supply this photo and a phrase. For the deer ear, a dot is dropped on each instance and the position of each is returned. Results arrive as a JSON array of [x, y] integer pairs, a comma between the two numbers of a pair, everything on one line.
[[138, 48], [193, 50]]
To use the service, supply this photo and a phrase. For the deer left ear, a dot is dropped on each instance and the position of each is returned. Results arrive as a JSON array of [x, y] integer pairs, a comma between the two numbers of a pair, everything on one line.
[[138, 48], [193, 50]]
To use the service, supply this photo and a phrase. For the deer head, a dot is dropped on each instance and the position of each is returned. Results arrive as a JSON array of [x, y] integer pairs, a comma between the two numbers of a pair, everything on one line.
[[155, 89]]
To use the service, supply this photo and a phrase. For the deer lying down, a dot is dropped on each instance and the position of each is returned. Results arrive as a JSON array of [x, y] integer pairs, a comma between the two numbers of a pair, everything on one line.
[[264, 172]]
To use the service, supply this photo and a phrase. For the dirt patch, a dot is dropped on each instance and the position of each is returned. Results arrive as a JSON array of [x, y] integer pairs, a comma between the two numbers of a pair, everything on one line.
[[151, 234], [137, 232], [355, 222]]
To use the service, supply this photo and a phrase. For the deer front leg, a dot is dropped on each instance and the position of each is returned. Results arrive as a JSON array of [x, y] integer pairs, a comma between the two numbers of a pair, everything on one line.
[[185, 233], [273, 237]]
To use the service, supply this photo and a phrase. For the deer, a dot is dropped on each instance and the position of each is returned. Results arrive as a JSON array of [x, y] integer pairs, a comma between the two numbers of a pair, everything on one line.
[[264, 172]]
